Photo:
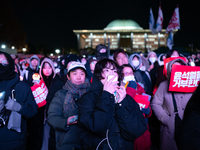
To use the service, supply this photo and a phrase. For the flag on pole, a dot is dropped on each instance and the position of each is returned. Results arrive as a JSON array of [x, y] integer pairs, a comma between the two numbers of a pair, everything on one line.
[[151, 22], [174, 23], [159, 23], [170, 41]]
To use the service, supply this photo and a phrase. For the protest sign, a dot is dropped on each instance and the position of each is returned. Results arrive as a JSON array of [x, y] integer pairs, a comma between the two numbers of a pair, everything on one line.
[[184, 78], [40, 92], [142, 100]]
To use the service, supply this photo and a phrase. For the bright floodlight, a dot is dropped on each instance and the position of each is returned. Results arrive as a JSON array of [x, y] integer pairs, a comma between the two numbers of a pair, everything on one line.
[[57, 51], [23, 49], [12, 47], [51, 54], [3, 46]]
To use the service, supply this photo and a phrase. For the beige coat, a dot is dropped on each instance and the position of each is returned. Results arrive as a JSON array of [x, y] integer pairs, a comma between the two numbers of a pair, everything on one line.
[[163, 107]]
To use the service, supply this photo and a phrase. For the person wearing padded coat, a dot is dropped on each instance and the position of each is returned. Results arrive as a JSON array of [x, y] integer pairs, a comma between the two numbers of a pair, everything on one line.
[[107, 121], [63, 112], [33, 68], [133, 88], [163, 107], [140, 76], [25, 104], [57, 84], [38, 128]]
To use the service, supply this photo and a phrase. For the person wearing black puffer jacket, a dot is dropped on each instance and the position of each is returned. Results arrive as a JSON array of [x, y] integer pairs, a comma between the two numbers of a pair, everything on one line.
[[33, 68], [107, 121], [25, 104]]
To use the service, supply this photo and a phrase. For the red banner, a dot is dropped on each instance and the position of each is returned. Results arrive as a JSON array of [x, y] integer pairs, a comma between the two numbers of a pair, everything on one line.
[[167, 60], [142, 100], [40, 92], [184, 78]]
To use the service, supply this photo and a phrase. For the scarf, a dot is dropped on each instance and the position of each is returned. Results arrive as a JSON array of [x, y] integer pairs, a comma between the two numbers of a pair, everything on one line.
[[69, 103], [7, 72]]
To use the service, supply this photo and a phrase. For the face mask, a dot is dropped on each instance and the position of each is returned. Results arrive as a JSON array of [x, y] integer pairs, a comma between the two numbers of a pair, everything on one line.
[[161, 63], [3, 71], [23, 67], [152, 59], [173, 56], [55, 65], [83, 62], [143, 68], [135, 63], [192, 63], [128, 78]]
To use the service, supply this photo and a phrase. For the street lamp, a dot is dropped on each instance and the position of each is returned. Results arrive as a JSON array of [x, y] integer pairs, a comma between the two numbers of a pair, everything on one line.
[[24, 50], [3, 46], [57, 51]]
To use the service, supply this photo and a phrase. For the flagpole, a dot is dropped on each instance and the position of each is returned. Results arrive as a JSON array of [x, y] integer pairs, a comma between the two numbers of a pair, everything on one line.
[[158, 39]]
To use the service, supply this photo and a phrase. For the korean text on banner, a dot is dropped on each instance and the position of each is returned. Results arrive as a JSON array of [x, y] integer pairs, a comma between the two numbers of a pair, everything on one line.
[[142, 100], [184, 78], [167, 60], [40, 92]]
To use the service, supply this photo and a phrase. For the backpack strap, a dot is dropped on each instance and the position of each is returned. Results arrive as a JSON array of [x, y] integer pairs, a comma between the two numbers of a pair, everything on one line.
[[174, 102]]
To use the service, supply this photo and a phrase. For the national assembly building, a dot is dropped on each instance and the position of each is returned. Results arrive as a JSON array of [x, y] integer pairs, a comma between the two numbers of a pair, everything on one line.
[[125, 34]]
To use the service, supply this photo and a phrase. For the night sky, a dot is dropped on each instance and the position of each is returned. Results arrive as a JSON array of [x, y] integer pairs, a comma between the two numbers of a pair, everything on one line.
[[52, 21]]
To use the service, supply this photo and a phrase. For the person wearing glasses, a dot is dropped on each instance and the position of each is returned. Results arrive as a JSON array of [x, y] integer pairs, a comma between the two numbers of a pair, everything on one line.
[[18, 97]]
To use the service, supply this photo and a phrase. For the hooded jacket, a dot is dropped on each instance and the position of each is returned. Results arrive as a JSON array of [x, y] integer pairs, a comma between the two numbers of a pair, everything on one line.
[[160, 62], [140, 76], [163, 107], [47, 60], [30, 71], [36, 123], [11, 139], [100, 118]]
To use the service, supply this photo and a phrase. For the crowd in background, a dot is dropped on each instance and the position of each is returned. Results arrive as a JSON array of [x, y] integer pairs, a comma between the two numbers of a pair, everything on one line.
[[85, 109]]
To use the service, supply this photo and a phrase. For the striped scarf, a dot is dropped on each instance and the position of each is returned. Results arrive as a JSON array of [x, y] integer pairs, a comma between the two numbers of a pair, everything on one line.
[[69, 103]]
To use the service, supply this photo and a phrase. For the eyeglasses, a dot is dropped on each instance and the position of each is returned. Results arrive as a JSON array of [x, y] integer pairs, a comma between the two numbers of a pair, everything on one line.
[[128, 73], [4, 62]]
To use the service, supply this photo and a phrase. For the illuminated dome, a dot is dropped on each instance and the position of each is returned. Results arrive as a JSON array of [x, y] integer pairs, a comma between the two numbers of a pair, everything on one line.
[[126, 24]]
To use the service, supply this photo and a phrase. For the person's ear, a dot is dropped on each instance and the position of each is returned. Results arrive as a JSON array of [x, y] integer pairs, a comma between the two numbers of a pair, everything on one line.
[[68, 77]]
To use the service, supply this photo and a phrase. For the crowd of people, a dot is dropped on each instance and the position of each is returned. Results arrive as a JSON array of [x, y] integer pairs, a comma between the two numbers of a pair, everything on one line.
[[91, 102]]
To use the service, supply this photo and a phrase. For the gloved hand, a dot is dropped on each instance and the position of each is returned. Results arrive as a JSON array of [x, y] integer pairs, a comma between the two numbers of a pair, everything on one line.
[[146, 110], [12, 105], [1, 104]]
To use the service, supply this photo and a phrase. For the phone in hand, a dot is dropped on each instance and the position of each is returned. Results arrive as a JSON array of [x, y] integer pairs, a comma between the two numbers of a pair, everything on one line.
[[111, 76]]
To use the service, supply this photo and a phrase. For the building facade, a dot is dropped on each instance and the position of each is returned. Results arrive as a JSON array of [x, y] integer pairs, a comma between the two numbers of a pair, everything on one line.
[[125, 34]]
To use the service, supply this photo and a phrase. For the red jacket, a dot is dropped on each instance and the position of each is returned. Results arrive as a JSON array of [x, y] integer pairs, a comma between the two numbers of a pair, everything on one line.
[[144, 141]]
